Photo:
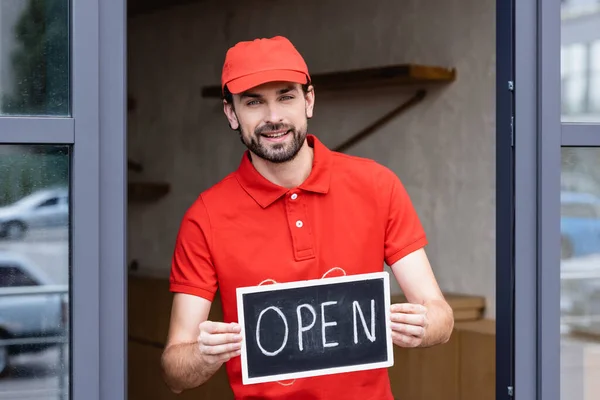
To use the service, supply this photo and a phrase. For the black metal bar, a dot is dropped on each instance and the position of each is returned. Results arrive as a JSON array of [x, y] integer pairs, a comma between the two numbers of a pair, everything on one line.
[[146, 342], [505, 207]]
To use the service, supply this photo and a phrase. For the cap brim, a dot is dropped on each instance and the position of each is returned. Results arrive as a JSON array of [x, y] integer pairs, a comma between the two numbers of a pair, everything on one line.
[[247, 82]]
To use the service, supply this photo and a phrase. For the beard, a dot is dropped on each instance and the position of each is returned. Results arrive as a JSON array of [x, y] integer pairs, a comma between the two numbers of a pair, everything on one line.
[[276, 152]]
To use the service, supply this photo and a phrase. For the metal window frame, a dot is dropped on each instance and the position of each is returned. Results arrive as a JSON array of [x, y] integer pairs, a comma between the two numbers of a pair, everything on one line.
[[113, 199], [37, 130], [580, 135], [525, 233], [96, 132], [537, 199], [548, 199], [539, 137]]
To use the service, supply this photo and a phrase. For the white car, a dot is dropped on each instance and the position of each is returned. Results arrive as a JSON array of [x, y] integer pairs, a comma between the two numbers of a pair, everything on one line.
[[31, 321], [41, 209]]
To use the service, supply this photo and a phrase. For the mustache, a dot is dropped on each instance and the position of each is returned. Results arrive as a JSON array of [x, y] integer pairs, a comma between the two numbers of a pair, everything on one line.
[[273, 127]]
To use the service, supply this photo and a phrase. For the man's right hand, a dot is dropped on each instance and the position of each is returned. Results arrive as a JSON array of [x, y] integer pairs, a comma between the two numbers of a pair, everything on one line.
[[219, 342]]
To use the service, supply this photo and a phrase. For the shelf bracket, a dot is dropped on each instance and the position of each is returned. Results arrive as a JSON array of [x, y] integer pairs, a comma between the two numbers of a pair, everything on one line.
[[415, 99], [134, 166]]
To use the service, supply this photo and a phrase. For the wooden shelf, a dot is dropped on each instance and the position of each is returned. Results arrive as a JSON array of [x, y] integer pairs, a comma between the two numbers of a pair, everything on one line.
[[147, 191], [404, 74]]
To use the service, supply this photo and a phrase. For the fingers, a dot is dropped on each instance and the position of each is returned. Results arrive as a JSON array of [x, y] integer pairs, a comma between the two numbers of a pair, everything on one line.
[[228, 356], [408, 323], [404, 340], [220, 349], [219, 338], [408, 330], [220, 327], [220, 341], [410, 319], [408, 308]]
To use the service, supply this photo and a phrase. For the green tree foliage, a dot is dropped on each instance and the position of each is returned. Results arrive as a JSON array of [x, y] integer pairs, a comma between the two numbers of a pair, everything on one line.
[[41, 86], [41, 61], [28, 168]]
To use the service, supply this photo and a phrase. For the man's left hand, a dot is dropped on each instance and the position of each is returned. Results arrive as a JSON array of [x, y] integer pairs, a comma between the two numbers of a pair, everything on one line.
[[409, 324]]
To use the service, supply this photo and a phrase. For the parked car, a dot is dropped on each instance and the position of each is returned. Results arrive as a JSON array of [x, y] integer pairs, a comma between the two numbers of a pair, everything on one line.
[[41, 316], [580, 224], [580, 266], [41, 209]]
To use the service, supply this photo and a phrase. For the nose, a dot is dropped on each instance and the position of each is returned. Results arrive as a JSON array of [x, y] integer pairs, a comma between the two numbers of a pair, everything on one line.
[[274, 114]]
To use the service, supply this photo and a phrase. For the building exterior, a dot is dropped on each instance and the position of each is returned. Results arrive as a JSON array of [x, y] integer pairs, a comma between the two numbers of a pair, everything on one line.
[[112, 106]]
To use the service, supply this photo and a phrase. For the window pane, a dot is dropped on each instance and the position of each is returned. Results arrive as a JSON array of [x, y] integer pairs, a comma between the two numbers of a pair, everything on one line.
[[595, 78], [34, 271], [580, 61], [580, 273], [34, 57]]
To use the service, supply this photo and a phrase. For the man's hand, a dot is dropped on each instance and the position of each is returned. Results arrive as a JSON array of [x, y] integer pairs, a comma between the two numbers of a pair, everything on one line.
[[219, 342], [409, 324]]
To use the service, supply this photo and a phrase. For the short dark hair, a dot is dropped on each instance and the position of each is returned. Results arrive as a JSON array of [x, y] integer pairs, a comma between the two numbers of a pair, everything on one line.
[[228, 97]]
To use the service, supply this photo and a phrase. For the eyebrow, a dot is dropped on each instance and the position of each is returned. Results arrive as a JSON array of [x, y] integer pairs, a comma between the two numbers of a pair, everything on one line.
[[258, 96]]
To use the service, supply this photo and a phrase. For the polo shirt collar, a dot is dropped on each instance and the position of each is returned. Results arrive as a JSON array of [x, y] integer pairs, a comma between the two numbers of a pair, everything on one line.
[[265, 192]]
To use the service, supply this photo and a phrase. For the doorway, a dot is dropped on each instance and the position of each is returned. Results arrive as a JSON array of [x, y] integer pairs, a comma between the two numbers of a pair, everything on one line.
[[154, 134], [438, 88]]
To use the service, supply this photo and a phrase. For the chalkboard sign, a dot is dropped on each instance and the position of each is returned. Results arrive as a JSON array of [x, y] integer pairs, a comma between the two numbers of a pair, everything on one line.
[[315, 327]]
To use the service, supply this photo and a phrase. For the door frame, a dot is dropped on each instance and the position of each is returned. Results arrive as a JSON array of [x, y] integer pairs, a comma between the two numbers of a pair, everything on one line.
[[99, 370], [537, 200], [504, 199], [112, 228], [540, 135]]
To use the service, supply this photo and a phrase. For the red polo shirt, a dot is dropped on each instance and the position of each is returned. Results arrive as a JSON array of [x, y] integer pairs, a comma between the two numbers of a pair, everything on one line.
[[350, 213]]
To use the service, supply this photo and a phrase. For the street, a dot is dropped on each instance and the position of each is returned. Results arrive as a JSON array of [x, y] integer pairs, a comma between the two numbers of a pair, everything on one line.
[[36, 376], [48, 249]]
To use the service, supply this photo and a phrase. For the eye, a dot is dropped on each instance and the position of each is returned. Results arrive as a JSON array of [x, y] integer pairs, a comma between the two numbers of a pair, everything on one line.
[[252, 103], [287, 97]]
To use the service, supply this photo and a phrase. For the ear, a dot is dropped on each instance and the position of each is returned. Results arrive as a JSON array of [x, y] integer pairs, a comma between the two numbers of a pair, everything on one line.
[[309, 98], [231, 116]]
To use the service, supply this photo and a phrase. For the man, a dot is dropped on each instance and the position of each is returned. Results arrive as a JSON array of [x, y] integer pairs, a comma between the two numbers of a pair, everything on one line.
[[293, 210]]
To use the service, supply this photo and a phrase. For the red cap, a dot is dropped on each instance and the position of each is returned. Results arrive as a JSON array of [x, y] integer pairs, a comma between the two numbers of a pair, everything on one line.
[[252, 63]]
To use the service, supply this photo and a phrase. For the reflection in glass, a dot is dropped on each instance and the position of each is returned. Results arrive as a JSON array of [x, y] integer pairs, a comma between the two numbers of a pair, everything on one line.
[[580, 60], [580, 273], [574, 59], [34, 57], [595, 77], [34, 271]]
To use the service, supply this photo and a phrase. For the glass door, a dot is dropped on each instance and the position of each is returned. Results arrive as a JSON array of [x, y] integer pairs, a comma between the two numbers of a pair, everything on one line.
[[57, 340], [557, 312], [580, 200]]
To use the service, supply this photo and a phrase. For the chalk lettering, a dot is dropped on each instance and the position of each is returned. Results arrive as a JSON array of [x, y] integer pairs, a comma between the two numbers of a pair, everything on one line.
[[285, 338], [304, 328], [370, 335], [326, 324]]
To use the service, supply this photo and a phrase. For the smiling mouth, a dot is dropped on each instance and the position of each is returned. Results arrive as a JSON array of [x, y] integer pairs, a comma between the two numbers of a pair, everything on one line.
[[275, 135]]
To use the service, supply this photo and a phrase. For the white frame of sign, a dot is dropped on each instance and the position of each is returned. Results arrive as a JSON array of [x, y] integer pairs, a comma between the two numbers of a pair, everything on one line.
[[389, 362]]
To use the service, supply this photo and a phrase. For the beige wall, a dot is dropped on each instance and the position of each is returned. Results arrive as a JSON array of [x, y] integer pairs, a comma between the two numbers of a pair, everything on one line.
[[443, 150]]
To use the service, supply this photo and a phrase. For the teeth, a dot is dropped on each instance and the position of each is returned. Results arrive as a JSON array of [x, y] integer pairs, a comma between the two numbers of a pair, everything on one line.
[[276, 135]]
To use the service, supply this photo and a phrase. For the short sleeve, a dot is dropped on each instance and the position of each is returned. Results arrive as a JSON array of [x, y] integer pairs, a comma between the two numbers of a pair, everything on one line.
[[192, 269], [404, 231]]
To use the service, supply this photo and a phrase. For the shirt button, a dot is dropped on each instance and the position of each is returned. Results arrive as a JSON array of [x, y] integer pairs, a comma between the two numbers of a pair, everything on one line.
[[299, 224], [294, 196]]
